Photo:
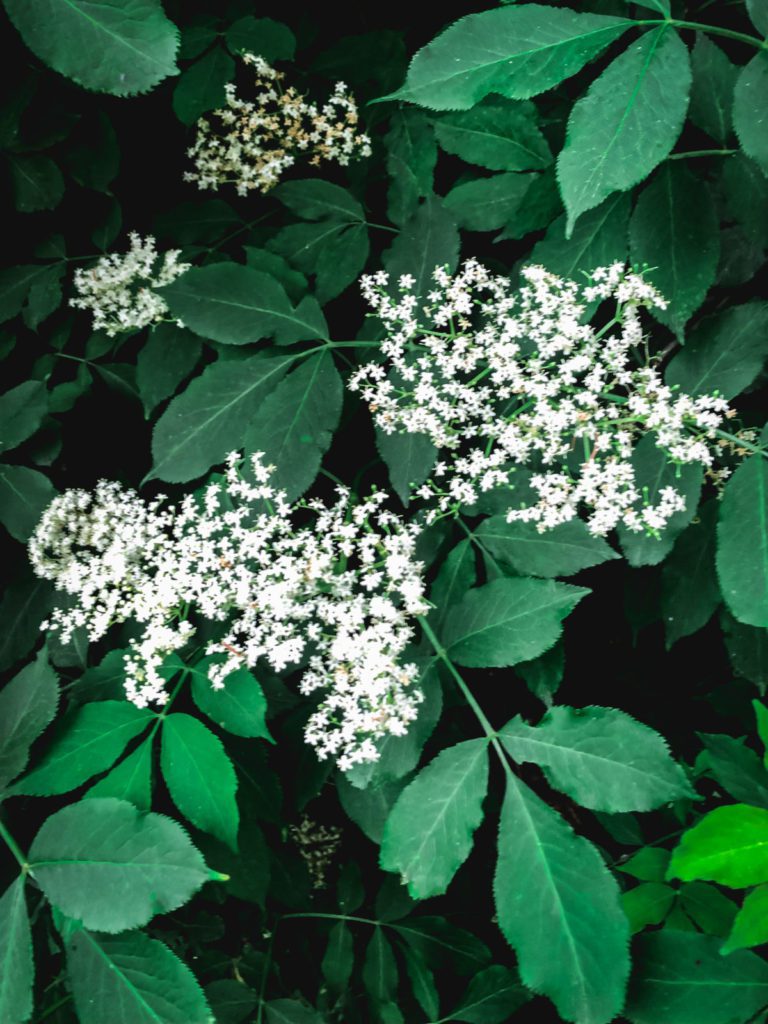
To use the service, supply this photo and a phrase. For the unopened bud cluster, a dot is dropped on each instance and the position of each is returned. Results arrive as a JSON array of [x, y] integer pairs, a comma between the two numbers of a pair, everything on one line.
[[501, 378], [118, 288], [334, 596], [250, 143]]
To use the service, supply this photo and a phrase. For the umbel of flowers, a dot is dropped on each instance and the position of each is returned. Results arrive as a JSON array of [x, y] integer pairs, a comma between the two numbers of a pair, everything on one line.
[[502, 378], [249, 143], [330, 589], [118, 288]]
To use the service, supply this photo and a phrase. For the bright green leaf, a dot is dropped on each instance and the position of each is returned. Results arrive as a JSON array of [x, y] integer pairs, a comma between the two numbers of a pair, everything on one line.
[[647, 904], [729, 845], [751, 925]]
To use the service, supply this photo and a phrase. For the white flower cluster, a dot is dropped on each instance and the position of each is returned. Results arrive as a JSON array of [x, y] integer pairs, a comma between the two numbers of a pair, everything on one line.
[[118, 288], [251, 142], [499, 379], [334, 595]]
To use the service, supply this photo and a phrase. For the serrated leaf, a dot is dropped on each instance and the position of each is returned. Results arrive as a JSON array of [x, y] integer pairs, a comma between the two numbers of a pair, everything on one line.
[[334, 251], [487, 203], [562, 551], [647, 904], [712, 90], [750, 98], [130, 780], [626, 124], [444, 944], [231, 1001], [508, 621], [120, 49], [27, 704], [91, 739], [742, 542], [737, 768], [209, 419], [457, 574], [491, 998], [339, 957], [132, 979], [729, 845], [112, 867], [411, 158], [724, 352], [21, 412], [169, 355], [674, 230], [200, 87], [369, 808], [17, 969], [409, 459], [558, 907], [429, 833], [422, 981], [200, 777], [429, 239], [601, 757], [498, 134], [380, 972], [24, 494], [689, 591], [515, 51], [239, 706], [681, 978], [750, 927], [269, 39], [653, 472], [315, 199], [601, 237], [294, 425], [237, 305]]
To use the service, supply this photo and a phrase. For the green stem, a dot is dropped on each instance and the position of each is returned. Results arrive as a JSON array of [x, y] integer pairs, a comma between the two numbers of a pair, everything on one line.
[[691, 153], [755, 449], [334, 917], [715, 30], [14, 847], [53, 1008], [381, 227]]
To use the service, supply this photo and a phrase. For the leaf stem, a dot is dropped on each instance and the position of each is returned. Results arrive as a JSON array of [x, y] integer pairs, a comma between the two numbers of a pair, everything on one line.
[[14, 847], [691, 153], [335, 917], [715, 30]]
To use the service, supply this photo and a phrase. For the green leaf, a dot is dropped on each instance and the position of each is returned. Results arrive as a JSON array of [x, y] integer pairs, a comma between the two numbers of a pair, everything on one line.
[[737, 768], [648, 865], [90, 740], [674, 230], [24, 494], [729, 845], [231, 1001], [290, 1011], [294, 425], [37, 183], [112, 867], [761, 721], [200, 87], [507, 621], [647, 904], [443, 944], [712, 90], [411, 158], [750, 98], [121, 49], [269, 39], [626, 124], [209, 419], [515, 51], [558, 907], [237, 305], [27, 704], [601, 237], [654, 471], [339, 957], [498, 134], [491, 998], [487, 203], [17, 968], [239, 706], [544, 675], [707, 907], [25, 604], [199, 221], [200, 777], [409, 459], [315, 199], [563, 551], [758, 14], [742, 542], [130, 780], [457, 574], [748, 651], [681, 978], [751, 925], [15, 285], [601, 757], [724, 352], [94, 161], [689, 591], [169, 355], [429, 239], [44, 296], [430, 832], [132, 979], [21, 412], [369, 808], [422, 981], [379, 969]]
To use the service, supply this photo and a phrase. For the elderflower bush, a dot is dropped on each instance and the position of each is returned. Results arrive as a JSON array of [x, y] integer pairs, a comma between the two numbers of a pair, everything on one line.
[[383, 444]]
